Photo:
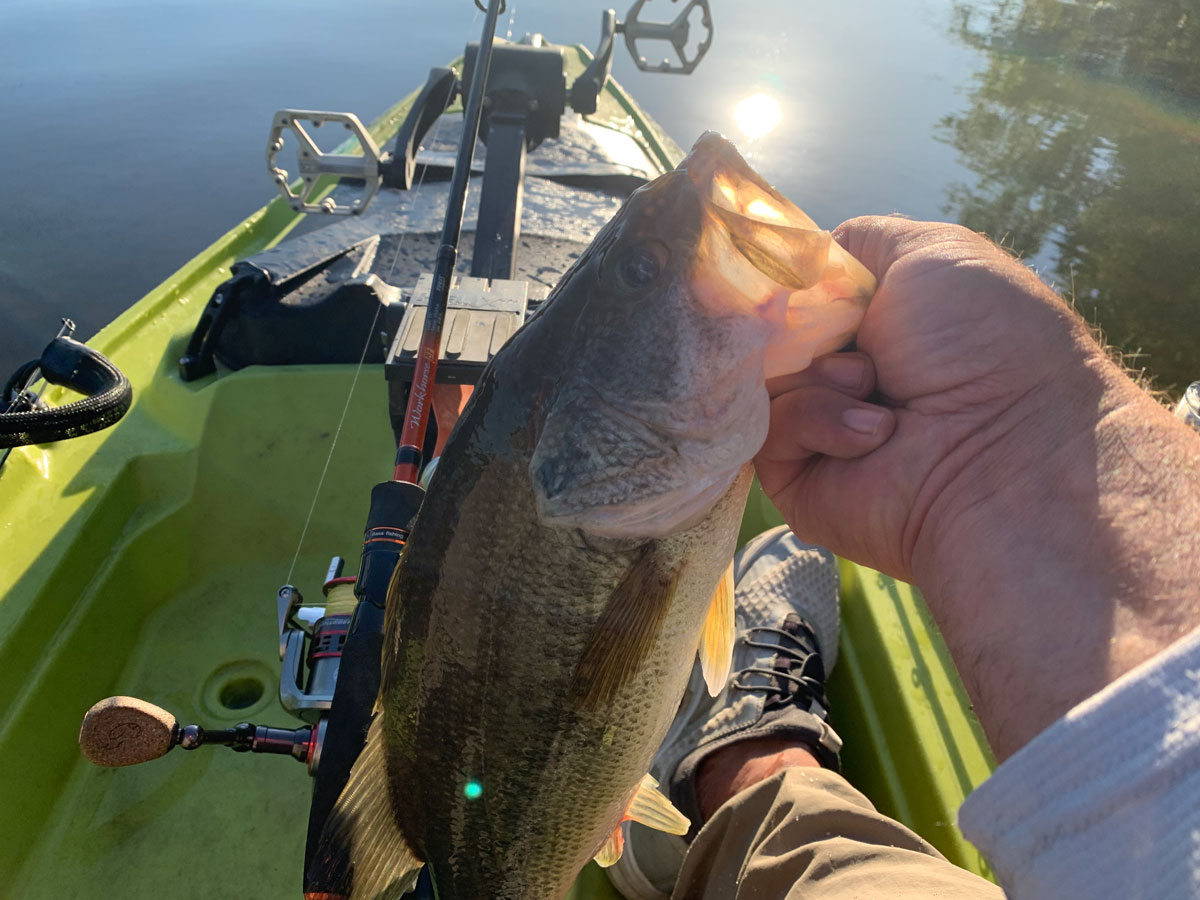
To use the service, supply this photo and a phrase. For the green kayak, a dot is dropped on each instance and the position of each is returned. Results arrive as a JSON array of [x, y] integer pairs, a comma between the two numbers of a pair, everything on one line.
[[146, 559]]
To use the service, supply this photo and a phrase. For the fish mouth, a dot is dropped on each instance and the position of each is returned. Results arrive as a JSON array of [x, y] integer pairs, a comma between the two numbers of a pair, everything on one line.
[[774, 234], [760, 254]]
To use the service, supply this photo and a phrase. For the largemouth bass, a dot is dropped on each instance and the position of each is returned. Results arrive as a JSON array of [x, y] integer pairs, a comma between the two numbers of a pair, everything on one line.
[[573, 552]]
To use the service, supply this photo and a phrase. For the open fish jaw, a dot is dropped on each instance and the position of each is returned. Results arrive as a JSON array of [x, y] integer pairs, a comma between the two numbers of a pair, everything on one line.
[[768, 254]]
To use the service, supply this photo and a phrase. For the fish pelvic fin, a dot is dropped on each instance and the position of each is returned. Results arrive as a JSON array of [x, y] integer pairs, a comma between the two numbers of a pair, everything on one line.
[[651, 808], [716, 640], [611, 851], [626, 631], [362, 854]]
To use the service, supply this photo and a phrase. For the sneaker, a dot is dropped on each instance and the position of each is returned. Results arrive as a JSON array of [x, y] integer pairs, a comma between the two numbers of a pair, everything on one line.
[[787, 619]]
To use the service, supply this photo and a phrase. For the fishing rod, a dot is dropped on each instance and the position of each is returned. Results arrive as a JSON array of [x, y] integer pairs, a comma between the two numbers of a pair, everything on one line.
[[394, 504], [416, 415]]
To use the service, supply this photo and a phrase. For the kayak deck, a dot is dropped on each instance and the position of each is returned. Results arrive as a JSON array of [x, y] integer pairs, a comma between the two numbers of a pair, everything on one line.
[[145, 560]]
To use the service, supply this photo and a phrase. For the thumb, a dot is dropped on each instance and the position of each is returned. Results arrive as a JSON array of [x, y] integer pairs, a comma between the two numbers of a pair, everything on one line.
[[879, 241]]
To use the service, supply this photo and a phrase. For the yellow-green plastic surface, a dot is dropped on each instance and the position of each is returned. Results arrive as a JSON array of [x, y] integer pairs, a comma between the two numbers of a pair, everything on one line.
[[144, 560]]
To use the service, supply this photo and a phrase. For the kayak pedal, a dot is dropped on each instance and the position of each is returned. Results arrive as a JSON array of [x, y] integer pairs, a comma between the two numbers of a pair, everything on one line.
[[676, 32], [313, 163], [585, 92], [373, 167]]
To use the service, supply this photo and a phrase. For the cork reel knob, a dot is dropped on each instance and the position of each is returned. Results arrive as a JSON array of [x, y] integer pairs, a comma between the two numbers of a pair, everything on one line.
[[125, 731]]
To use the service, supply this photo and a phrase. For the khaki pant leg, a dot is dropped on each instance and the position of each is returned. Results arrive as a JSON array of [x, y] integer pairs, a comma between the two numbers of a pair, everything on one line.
[[806, 833]]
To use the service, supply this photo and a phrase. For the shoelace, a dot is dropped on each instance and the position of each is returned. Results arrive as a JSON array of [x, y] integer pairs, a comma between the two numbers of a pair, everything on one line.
[[794, 664]]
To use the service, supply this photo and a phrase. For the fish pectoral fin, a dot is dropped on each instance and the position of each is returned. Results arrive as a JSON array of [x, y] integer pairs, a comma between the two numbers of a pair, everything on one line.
[[716, 641], [611, 851], [651, 808], [625, 633], [362, 854]]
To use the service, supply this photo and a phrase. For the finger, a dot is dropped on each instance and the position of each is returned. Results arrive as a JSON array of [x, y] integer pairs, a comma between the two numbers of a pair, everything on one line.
[[873, 240], [821, 420], [878, 242], [851, 373]]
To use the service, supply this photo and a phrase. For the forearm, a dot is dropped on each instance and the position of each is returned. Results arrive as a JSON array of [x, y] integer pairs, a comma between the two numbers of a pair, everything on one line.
[[1065, 552]]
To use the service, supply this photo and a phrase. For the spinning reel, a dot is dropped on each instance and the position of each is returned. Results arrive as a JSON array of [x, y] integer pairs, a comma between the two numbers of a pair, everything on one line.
[[124, 731]]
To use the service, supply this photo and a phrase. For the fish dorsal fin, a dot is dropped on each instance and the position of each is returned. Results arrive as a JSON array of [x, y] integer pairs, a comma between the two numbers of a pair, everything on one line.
[[626, 630], [716, 641], [651, 808], [361, 836]]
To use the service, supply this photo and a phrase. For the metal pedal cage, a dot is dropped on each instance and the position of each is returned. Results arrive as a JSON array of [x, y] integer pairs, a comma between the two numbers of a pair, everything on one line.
[[314, 162]]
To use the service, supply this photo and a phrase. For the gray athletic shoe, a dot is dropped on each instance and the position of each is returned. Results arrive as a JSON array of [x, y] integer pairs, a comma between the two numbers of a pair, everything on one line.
[[787, 619]]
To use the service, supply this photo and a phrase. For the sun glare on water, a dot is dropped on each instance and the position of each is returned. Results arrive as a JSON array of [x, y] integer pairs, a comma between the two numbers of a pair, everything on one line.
[[757, 115]]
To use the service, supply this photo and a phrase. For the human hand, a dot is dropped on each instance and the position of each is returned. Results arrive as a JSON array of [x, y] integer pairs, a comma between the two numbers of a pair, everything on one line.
[[1016, 475], [962, 342]]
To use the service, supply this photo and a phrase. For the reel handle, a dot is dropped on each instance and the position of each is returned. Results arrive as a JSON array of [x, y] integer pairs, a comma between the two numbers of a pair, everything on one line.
[[125, 731]]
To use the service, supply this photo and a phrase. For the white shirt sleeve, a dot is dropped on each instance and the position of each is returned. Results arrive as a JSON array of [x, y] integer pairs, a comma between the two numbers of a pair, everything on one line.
[[1105, 803]]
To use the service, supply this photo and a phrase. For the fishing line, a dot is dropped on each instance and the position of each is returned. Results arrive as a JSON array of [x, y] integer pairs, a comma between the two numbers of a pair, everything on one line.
[[358, 369]]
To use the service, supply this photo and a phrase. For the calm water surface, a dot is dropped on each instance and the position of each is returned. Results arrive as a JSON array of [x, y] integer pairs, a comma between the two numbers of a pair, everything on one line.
[[134, 131]]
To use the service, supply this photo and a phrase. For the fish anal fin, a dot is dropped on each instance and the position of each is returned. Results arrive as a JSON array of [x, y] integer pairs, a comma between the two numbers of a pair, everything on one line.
[[716, 640], [611, 851], [362, 853], [651, 808], [626, 630]]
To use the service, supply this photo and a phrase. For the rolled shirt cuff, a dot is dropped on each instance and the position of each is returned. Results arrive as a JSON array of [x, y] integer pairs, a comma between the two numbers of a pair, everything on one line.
[[1106, 801]]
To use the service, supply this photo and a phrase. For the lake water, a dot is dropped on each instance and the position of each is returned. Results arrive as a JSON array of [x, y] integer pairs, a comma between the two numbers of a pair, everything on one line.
[[133, 131]]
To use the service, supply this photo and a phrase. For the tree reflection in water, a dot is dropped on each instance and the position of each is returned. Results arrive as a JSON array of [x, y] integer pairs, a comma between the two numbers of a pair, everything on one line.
[[1084, 132]]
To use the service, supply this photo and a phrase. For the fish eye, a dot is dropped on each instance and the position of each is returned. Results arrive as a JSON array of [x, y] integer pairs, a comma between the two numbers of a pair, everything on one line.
[[639, 264]]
